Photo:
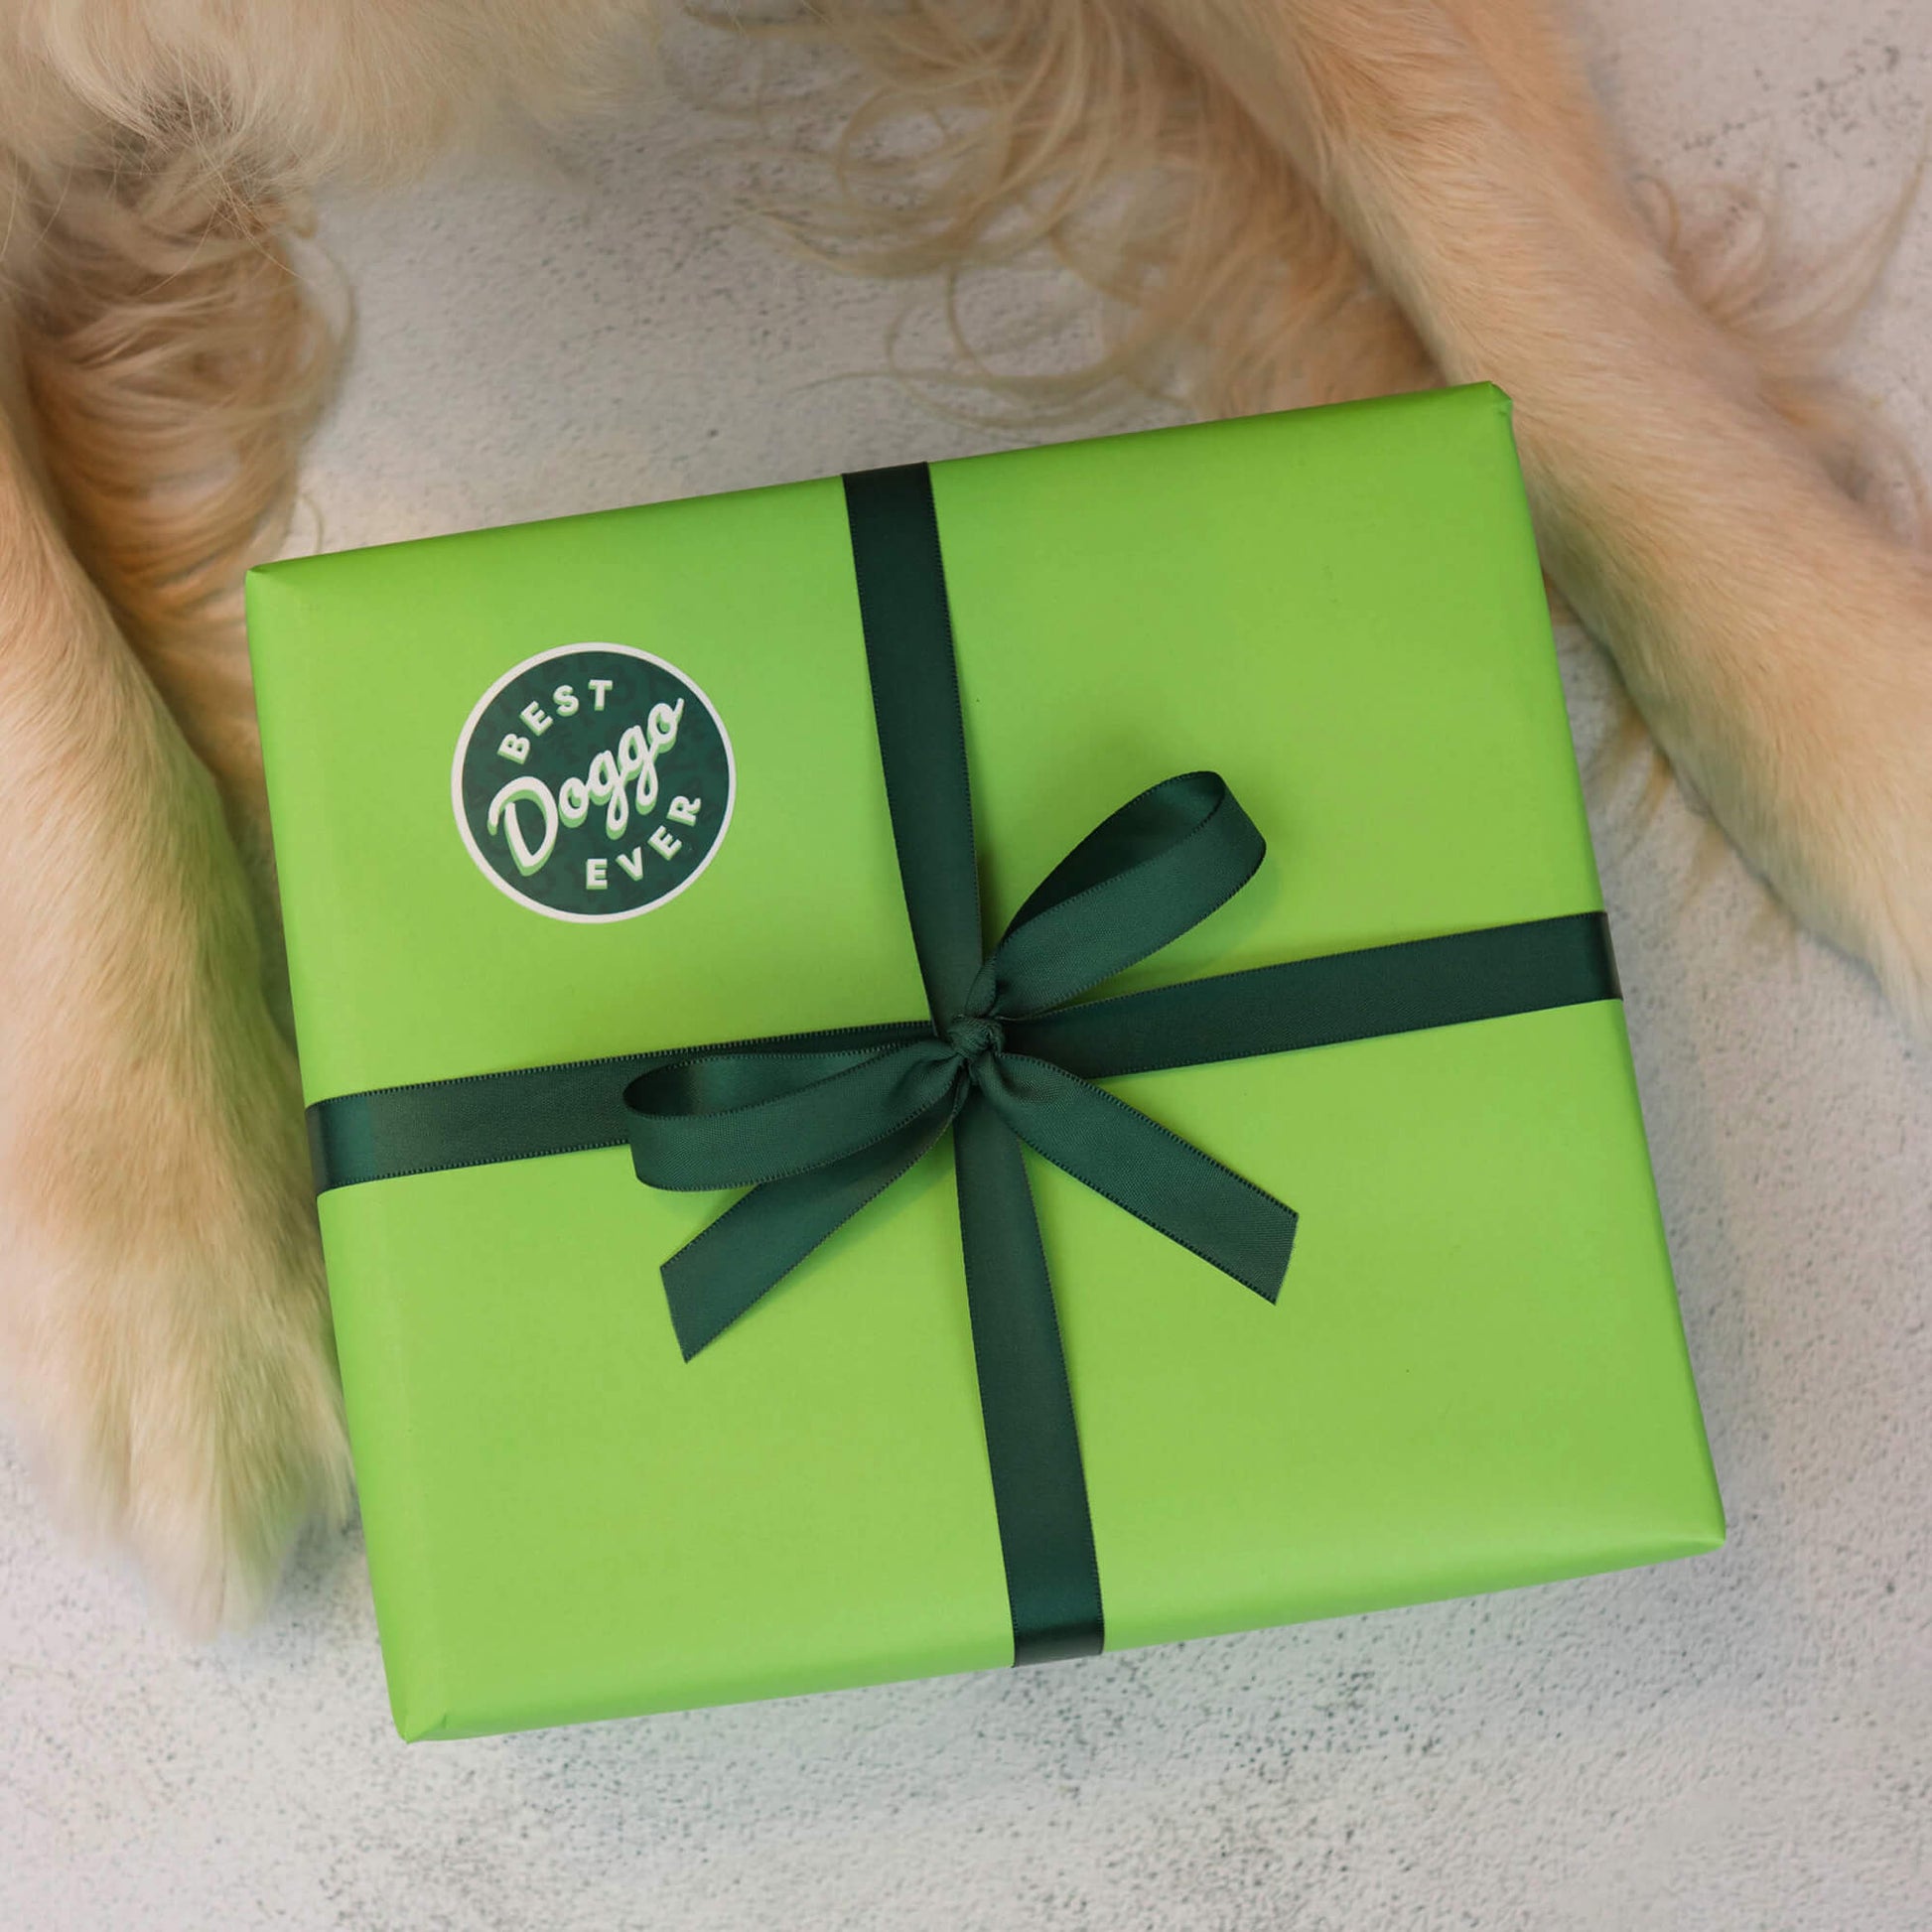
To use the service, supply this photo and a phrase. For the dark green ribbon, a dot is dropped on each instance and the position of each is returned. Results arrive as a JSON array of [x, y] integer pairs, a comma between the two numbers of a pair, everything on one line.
[[817, 1125]]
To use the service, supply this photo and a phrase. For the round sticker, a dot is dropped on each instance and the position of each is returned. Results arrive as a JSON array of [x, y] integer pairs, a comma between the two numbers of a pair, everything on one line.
[[592, 782]]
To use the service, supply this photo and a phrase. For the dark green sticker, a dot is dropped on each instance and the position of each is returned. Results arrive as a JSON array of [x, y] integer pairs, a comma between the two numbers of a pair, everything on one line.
[[592, 782]]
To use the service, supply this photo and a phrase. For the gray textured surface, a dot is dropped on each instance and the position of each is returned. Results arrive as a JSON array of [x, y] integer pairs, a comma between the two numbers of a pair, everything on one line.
[[1744, 1741]]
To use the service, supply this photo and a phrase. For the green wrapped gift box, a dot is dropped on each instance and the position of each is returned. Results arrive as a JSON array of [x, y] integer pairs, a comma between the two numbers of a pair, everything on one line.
[[553, 799]]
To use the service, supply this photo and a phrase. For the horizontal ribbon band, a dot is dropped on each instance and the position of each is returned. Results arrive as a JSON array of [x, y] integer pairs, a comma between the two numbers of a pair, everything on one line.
[[817, 1125], [1490, 973]]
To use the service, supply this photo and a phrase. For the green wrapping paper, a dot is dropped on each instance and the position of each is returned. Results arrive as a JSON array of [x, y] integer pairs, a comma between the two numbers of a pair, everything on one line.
[[1475, 1376]]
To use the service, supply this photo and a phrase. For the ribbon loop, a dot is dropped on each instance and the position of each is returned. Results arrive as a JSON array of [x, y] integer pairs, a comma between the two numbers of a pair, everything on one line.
[[1136, 882], [732, 1120]]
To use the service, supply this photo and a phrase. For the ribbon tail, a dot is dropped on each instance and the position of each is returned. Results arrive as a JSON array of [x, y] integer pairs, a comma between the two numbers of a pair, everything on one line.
[[1039, 1489], [1143, 1166], [722, 1273]]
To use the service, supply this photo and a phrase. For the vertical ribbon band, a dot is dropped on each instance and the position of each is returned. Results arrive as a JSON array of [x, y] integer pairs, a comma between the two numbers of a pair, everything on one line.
[[1032, 1444]]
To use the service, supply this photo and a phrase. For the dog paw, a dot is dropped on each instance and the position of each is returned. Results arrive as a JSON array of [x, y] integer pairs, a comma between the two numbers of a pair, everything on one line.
[[1793, 691], [167, 1339], [1857, 865]]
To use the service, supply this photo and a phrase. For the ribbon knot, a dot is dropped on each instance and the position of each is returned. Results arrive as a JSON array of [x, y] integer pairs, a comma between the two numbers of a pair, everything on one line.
[[975, 1033]]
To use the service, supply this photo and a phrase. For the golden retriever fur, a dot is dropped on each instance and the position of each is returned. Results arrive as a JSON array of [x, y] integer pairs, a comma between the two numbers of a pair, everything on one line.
[[1284, 200]]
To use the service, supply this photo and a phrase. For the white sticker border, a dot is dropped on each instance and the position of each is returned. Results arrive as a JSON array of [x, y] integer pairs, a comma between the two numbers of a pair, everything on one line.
[[476, 852]]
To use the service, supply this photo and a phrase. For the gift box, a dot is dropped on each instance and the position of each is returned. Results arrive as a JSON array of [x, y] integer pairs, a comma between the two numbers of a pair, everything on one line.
[[778, 1243]]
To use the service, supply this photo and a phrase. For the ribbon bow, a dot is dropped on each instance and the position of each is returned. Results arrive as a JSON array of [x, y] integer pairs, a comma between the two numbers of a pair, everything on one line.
[[818, 1132]]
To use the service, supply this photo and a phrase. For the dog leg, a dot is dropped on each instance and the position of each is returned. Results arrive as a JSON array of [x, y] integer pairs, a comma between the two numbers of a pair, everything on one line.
[[175, 366], [164, 1332], [163, 1325], [1075, 127], [1778, 643]]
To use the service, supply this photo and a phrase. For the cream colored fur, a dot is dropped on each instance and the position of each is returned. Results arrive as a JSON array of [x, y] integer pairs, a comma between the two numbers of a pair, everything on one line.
[[1283, 200]]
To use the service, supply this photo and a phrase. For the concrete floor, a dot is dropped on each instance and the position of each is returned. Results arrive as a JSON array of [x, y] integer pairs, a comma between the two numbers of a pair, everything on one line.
[[1744, 1741]]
